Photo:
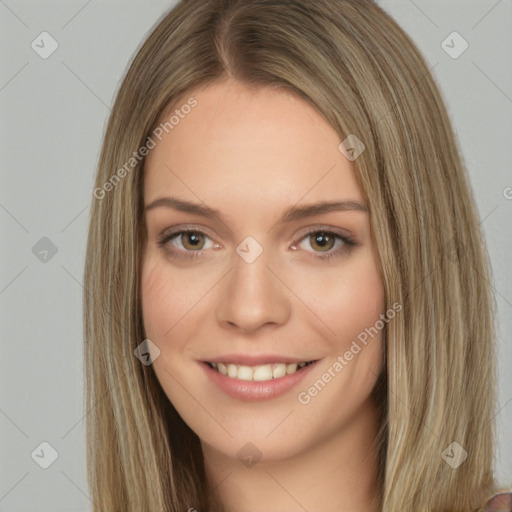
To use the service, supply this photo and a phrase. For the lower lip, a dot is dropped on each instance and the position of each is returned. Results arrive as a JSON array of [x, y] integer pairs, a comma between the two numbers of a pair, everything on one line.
[[255, 391]]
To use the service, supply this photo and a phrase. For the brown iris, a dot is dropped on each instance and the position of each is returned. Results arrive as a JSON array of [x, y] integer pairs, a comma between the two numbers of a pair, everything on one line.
[[323, 240], [194, 238]]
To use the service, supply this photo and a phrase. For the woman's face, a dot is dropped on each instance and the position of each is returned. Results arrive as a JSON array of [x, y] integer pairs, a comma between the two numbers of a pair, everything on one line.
[[253, 282]]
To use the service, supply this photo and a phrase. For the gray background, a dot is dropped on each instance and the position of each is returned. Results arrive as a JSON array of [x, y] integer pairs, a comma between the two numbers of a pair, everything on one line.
[[53, 115]]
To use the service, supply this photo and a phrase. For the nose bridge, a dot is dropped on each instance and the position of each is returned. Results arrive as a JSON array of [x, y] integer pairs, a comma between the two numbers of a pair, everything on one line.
[[252, 294]]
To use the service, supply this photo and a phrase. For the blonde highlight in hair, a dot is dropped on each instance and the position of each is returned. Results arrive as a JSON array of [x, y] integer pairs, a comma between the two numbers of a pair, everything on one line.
[[364, 75]]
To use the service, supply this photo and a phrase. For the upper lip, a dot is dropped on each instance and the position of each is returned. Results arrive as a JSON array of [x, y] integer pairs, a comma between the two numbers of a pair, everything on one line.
[[254, 360]]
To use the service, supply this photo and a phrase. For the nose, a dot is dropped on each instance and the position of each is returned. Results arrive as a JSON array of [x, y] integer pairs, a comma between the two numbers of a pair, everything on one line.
[[253, 295]]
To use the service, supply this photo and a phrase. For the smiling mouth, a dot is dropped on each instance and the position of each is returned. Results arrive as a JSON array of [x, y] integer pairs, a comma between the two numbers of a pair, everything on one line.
[[260, 372]]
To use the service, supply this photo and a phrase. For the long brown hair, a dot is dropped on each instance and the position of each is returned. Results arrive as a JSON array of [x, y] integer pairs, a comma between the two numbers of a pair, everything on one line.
[[366, 77]]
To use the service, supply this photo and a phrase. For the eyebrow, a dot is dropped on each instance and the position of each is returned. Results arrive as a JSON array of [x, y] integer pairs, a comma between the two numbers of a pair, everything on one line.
[[291, 214]]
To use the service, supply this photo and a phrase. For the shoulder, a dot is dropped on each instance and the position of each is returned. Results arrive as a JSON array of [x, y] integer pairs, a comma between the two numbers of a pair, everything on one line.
[[501, 502]]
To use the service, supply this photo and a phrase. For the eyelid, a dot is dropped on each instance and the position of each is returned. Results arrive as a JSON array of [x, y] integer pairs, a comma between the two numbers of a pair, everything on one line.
[[176, 230], [342, 233]]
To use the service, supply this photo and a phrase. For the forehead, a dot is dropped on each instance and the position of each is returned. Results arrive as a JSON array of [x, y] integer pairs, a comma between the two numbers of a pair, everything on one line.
[[253, 147]]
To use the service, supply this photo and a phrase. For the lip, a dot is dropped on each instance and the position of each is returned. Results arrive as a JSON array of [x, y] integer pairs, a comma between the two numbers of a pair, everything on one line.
[[255, 360], [255, 391]]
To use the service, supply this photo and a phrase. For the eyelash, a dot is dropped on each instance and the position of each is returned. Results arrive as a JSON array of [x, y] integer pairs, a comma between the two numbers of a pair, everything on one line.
[[164, 238]]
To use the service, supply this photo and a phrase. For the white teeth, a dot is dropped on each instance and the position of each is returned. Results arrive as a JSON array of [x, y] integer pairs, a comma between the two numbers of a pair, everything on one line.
[[244, 372], [232, 371], [279, 371], [258, 373], [261, 373], [291, 368]]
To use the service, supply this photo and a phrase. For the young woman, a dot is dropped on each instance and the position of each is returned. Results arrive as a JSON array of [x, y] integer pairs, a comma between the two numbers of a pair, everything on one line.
[[287, 303]]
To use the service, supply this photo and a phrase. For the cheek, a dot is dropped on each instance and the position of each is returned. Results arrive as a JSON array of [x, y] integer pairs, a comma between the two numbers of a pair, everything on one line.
[[162, 299], [153, 290], [171, 300], [350, 300]]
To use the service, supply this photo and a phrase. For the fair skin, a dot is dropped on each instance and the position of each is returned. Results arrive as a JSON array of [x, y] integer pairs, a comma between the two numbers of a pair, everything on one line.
[[250, 154]]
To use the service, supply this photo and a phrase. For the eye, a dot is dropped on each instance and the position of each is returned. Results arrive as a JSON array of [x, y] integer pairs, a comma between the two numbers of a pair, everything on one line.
[[193, 242], [185, 243], [323, 241]]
